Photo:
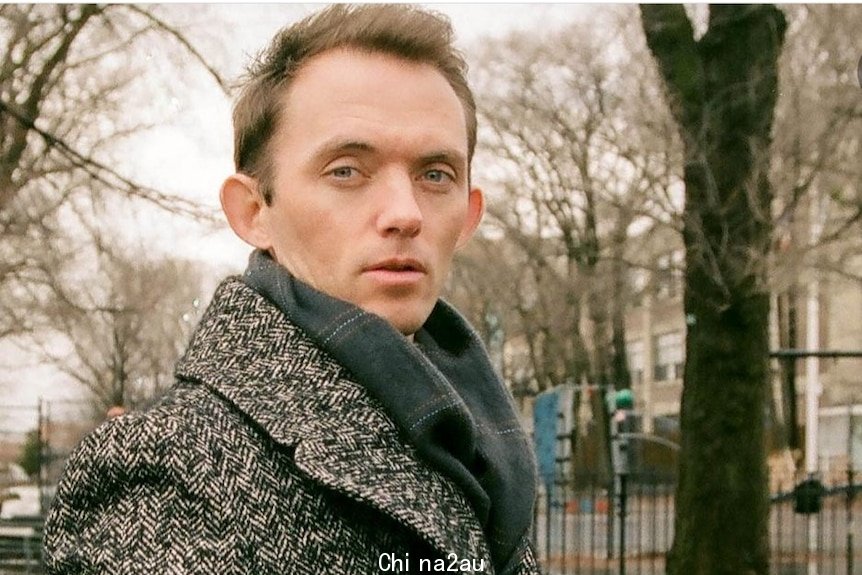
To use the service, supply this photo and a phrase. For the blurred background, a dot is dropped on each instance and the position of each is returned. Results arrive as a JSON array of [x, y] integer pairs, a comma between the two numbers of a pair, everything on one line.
[[115, 137]]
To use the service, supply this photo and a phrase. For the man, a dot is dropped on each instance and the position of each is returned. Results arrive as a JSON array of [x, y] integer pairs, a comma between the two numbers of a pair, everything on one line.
[[330, 415]]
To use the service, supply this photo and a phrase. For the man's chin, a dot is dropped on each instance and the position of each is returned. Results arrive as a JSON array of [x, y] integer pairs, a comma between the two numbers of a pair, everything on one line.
[[406, 319]]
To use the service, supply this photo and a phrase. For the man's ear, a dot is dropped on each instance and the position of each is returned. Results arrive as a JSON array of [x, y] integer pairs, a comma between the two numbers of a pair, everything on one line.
[[475, 209], [244, 206]]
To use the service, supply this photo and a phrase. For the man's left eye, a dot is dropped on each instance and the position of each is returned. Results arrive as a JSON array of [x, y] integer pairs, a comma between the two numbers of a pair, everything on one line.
[[343, 172], [437, 176]]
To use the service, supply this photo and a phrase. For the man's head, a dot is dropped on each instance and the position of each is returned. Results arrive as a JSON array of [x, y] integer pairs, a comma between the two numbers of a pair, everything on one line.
[[402, 31], [354, 137]]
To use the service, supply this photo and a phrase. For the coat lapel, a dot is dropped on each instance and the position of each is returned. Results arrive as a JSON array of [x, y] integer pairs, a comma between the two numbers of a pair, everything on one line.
[[248, 352]]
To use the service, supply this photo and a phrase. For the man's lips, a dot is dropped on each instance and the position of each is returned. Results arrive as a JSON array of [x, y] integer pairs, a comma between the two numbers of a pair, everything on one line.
[[396, 273], [405, 265]]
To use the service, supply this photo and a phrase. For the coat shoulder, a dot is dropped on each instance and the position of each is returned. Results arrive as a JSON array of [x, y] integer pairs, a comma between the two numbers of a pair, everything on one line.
[[137, 493], [180, 440]]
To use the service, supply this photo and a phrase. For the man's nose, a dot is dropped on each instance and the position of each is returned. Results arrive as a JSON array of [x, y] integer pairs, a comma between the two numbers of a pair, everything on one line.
[[400, 213]]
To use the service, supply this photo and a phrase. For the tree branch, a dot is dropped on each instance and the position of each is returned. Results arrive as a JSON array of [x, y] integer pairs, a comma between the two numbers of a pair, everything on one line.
[[108, 176], [180, 37], [670, 38]]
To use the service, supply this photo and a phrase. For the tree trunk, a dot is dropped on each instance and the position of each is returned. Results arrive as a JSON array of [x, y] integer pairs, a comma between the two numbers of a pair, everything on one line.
[[722, 91], [620, 374]]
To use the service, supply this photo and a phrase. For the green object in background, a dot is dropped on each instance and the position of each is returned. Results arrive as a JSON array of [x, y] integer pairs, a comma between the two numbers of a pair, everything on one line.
[[624, 399]]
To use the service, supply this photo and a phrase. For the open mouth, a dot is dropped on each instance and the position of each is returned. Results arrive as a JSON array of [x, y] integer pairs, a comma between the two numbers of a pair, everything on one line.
[[399, 268]]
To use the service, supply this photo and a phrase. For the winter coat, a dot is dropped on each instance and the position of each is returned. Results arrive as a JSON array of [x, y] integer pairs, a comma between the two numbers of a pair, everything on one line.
[[265, 457]]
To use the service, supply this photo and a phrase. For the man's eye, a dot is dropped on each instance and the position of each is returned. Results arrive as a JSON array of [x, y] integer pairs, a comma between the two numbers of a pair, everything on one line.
[[343, 172], [438, 176]]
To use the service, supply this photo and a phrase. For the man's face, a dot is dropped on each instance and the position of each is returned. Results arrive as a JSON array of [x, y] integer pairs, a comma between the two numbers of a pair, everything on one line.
[[370, 190]]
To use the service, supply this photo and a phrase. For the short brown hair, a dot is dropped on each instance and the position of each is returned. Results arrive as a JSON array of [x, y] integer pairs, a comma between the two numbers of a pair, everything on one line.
[[403, 31]]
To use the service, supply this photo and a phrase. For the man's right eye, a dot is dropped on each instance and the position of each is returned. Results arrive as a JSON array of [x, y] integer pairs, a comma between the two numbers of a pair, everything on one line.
[[343, 172]]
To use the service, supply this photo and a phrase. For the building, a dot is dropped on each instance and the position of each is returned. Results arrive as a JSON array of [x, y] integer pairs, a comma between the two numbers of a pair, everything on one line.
[[655, 331], [655, 339]]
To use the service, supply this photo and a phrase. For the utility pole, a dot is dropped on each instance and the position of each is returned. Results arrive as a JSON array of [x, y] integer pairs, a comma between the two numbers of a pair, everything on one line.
[[40, 442], [620, 404], [850, 490], [812, 378]]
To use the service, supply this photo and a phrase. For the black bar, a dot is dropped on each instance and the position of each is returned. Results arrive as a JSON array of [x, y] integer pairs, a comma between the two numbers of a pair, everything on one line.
[[548, 495], [622, 496], [799, 353], [849, 510]]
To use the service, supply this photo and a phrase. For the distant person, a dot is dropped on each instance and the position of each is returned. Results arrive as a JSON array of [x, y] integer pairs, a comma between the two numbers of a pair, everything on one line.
[[331, 415], [115, 411]]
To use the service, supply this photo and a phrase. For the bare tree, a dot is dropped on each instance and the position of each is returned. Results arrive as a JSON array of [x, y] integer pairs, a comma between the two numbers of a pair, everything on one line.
[[66, 73], [817, 131], [577, 153], [722, 89], [119, 333], [572, 162], [816, 149]]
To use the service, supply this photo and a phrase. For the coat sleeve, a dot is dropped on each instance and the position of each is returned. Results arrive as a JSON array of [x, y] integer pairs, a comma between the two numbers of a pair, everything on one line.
[[529, 565], [140, 496]]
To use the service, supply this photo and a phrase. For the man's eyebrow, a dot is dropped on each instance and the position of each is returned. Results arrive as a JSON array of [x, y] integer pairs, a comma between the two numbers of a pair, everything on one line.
[[450, 156], [338, 145], [342, 145]]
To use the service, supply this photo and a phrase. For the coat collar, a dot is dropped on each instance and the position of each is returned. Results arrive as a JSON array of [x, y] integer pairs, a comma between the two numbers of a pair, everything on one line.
[[248, 352]]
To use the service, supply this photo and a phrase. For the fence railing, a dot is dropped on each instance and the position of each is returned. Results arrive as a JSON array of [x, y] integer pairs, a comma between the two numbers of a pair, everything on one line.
[[826, 542], [21, 545], [578, 530]]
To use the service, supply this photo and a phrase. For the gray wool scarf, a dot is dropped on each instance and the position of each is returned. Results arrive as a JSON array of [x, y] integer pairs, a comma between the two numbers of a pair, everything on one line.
[[441, 391]]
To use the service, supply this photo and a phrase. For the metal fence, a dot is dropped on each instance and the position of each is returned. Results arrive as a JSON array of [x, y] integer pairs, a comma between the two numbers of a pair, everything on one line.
[[21, 546], [579, 528], [40, 435], [826, 542]]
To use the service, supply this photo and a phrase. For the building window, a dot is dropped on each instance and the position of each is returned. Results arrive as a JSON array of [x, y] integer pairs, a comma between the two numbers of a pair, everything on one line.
[[668, 356], [635, 353], [668, 278]]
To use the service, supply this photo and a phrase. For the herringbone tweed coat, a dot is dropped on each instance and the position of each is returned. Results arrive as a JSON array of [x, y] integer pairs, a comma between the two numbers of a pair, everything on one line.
[[264, 458]]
